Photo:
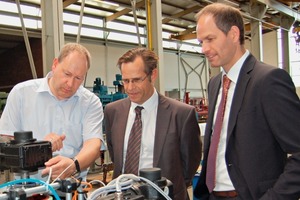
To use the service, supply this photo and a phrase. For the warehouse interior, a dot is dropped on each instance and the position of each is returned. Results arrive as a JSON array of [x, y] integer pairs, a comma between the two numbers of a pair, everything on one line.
[[33, 31], [175, 26]]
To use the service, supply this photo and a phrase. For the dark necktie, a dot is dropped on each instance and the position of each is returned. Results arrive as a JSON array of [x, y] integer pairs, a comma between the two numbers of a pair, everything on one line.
[[134, 144], [213, 149]]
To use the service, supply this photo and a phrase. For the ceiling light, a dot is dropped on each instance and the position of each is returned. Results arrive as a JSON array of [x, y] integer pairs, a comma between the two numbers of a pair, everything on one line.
[[106, 3]]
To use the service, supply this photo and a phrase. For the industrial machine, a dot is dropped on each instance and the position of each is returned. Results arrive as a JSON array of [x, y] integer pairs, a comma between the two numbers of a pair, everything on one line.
[[125, 187], [25, 154], [101, 90], [149, 185]]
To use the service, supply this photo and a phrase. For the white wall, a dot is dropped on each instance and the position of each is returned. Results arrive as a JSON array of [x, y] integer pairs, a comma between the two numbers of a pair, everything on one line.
[[270, 48], [104, 60]]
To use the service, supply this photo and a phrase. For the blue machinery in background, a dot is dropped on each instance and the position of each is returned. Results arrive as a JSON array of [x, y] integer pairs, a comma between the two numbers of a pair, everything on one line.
[[101, 90]]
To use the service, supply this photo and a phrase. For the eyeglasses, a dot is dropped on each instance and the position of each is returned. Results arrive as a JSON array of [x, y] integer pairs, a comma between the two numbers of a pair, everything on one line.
[[134, 80]]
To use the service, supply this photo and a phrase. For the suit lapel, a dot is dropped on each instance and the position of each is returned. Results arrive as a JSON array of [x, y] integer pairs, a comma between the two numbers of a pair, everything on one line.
[[162, 126], [121, 120], [239, 92], [214, 86]]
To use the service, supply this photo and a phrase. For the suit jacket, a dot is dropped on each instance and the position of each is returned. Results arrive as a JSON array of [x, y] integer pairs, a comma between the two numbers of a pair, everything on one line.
[[177, 145], [264, 126]]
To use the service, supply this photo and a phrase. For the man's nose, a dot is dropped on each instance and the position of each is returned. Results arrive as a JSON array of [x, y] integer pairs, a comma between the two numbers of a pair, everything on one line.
[[205, 48], [70, 82]]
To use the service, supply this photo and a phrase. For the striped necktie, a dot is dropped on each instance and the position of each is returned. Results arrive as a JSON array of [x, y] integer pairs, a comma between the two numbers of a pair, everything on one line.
[[213, 149], [134, 144]]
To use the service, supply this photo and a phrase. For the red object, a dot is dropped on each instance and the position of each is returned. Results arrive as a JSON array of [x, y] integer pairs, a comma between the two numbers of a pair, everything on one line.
[[187, 97]]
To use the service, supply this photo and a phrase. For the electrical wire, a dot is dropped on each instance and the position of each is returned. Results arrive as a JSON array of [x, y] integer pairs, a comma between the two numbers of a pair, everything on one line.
[[124, 182], [97, 181], [156, 187], [63, 171], [49, 176], [124, 177], [109, 188], [84, 190], [54, 193], [101, 192], [138, 178]]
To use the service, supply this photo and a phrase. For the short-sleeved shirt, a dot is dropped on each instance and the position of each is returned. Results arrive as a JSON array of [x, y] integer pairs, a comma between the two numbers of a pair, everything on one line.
[[31, 106]]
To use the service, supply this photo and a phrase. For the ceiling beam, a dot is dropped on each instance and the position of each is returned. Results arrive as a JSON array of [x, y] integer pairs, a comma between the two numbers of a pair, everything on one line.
[[188, 34], [124, 11], [288, 2], [182, 13], [66, 3], [282, 8]]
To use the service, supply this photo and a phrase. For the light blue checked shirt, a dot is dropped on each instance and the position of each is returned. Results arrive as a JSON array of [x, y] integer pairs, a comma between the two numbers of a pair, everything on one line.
[[32, 107]]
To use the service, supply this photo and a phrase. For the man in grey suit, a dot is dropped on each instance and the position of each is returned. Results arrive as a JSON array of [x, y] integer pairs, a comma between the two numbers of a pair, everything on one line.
[[258, 155], [170, 132]]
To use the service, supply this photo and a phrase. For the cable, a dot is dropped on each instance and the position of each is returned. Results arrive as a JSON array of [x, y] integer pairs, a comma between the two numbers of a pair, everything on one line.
[[84, 190], [137, 178], [131, 176], [111, 187], [124, 182], [54, 193], [156, 187], [49, 176], [97, 181], [63, 171]]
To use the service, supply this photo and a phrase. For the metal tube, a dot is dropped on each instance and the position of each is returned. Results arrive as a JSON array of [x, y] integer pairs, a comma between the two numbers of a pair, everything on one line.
[[35, 190], [80, 21], [27, 44], [133, 2], [149, 24]]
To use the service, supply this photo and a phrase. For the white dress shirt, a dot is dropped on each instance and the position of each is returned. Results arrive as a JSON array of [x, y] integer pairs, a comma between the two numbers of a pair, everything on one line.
[[31, 106], [148, 133], [223, 182]]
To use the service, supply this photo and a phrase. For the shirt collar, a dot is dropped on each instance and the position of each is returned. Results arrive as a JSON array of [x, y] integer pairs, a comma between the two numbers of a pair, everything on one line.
[[151, 103], [44, 86], [234, 72]]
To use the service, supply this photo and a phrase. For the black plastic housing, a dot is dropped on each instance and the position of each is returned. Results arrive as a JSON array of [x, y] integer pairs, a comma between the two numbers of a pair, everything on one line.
[[24, 153]]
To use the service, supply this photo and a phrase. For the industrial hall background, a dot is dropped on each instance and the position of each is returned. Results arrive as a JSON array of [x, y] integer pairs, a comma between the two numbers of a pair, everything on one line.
[[33, 31]]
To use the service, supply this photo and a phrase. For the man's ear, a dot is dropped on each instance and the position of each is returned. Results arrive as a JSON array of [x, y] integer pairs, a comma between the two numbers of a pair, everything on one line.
[[154, 75], [55, 63], [235, 33]]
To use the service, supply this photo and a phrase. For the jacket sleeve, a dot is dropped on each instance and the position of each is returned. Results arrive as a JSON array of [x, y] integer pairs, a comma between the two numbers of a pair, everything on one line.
[[191, 138], [282, 110]]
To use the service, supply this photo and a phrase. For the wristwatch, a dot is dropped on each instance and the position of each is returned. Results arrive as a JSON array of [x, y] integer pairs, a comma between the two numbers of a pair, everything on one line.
[[77, 172]]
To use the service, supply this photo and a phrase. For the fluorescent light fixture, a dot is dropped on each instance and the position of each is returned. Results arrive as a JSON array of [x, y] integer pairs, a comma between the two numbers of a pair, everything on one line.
[[106, 3]]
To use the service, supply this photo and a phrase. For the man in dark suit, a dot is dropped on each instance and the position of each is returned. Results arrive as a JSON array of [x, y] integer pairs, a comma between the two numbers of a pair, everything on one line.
[[170, 133], [258, 154]]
